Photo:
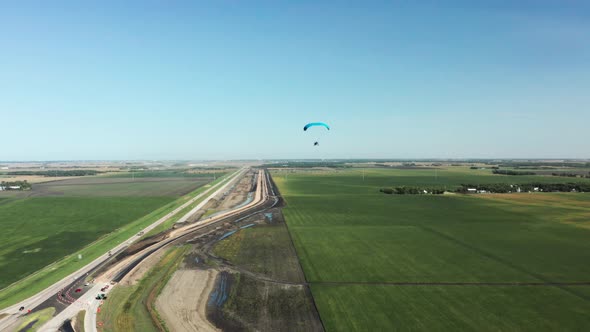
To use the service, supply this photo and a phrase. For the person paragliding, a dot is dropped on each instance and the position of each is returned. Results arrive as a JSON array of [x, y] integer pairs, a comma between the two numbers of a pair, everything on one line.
[[322, 127]]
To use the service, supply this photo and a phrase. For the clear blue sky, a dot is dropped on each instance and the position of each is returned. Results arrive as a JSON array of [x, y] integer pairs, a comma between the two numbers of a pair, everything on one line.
[[239, 79]]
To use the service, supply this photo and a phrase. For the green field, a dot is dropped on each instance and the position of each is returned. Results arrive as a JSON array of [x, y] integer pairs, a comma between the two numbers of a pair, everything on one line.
[[355, 243], [45, 231], [467, 308]]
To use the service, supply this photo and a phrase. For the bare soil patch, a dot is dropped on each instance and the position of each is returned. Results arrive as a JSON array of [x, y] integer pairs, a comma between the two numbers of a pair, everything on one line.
[[182, 303]]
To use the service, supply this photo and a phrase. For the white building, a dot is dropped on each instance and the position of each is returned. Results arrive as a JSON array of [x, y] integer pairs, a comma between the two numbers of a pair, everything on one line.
[[471, 190]]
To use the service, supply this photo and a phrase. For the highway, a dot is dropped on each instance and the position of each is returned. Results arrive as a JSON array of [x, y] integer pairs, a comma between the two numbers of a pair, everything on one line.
[[260, 198], [32, 302], [120, 270]]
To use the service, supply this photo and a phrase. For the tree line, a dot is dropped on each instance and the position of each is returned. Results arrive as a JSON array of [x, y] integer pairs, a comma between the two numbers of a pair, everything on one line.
[[403, 190], [55, 173], [572, 175], [23, 185], [509, 188], [500, 188], [511, 172]]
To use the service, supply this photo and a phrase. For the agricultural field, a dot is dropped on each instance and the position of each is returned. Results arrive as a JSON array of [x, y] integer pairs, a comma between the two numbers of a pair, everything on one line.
[[56, 220], [447, 262]]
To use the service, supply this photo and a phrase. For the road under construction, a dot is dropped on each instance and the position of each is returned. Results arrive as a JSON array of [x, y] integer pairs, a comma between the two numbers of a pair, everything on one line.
[[119, 262]]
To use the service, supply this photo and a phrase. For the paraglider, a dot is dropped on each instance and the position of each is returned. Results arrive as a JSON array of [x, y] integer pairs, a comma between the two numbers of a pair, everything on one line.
[[313, 124], [317, 131]]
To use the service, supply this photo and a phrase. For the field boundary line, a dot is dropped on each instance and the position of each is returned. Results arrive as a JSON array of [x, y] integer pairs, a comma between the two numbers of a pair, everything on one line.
[[278, 193], [501, 261]]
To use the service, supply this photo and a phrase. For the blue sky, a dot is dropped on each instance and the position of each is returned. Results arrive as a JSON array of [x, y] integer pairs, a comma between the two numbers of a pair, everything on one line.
[[239, 79]]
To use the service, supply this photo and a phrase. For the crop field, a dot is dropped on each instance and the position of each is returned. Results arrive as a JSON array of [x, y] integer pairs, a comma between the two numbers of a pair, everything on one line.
[[58, 219], [105, 186], [450, 308], [447, 262], [168, 174]]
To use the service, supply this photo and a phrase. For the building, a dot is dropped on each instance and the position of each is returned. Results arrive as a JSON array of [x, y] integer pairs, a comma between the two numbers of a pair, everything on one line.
[[14, 187], [471, 190]]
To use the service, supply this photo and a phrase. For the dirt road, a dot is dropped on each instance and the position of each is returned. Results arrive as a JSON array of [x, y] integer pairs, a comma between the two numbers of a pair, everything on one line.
[[183, 301]]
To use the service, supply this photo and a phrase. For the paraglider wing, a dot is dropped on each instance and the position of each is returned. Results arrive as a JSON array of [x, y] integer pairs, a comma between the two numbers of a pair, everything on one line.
[[313, 124]]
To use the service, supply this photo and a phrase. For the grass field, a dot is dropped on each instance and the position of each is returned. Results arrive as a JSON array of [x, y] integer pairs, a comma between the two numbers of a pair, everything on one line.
[[355, 243], [48, 230]]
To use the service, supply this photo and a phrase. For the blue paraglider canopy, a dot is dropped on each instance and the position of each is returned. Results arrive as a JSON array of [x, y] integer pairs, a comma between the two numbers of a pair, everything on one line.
[[313, 124]]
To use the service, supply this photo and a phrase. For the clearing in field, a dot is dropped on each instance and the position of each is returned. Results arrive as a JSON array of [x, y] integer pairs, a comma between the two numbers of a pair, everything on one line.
[[448, 262]]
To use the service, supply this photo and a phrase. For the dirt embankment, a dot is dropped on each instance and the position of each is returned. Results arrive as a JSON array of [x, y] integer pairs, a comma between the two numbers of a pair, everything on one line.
[[238, 195], [183, 302]]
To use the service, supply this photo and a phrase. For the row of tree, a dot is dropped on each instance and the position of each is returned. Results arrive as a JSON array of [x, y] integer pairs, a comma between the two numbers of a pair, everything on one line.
[[12, 185], [412, 191], [308, 164], [523, 164], [525, 187], [572, 175], [491, 188], [55, 173], [511, 172]]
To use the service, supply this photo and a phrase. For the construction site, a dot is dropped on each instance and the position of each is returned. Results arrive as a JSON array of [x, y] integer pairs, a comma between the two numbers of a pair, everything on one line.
[[212, 270]]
